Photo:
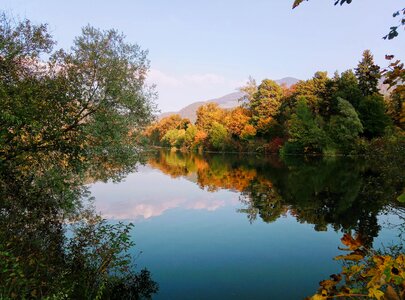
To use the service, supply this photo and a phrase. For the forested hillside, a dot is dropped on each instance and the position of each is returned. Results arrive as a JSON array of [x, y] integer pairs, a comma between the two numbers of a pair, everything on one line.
[[341, 114]]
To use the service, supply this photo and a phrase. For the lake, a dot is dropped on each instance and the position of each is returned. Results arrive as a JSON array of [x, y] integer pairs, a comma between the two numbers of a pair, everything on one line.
[[237, 226]]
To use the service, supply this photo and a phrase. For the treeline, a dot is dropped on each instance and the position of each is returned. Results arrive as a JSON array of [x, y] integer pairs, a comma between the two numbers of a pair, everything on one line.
[[343, 114]]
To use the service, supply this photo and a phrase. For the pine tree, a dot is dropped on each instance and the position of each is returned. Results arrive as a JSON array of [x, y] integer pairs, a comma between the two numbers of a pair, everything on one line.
[[368, 74]]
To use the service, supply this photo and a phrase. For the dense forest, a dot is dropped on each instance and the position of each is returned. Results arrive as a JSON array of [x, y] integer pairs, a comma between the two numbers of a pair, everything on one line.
[[344, 114]]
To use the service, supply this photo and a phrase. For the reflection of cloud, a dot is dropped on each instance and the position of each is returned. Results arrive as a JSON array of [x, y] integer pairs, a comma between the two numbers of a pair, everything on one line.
[[134, 210], [145, 210], [149, 193], [210, 206]]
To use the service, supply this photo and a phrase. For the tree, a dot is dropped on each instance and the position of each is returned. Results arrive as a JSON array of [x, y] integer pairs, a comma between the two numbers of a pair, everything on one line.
[[248, 132], [345, 127], [82, 103], [395, 78], [63, 115], [348, 88], [249, 90], [208, 114], [315, 90], [174, 138], [265, 104], [305, 132], [372, 115], [200, 138], [368, 74], [190, 134], [156, 131], [218, 136], [236, 120], [396, 106]]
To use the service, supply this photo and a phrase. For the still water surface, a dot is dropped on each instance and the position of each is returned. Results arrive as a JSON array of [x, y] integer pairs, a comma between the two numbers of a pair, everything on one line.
[[240, 227]]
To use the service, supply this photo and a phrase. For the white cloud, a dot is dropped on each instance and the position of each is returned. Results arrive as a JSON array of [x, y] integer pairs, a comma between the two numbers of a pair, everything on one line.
[[176, 91], [160, 78]]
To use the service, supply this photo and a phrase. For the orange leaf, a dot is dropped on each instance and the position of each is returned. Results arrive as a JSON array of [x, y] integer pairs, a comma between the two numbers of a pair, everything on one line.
[[350, 242]]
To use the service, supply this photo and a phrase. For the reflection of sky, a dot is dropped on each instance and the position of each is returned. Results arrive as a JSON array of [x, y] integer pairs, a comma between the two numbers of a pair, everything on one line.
[[149, 193], [198, 247]]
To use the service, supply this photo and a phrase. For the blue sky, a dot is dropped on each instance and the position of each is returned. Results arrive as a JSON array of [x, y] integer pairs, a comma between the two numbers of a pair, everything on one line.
[[205, 49]]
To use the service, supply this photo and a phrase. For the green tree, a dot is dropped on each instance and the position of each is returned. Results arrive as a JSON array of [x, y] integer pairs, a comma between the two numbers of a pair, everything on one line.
[[189, 137], [305, 132], [174, 138], [372, 115], [368, 74], [66, 118], [315, 91], [85, 102], [346, 126], [265, 104], [218, 136], [348, 88]]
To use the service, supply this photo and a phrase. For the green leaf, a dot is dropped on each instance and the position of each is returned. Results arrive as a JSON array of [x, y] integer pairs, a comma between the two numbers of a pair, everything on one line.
[[401, 198]]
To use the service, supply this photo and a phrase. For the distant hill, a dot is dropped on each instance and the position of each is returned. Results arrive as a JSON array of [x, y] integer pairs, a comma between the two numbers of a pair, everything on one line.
[[288, 81], [227, 101]]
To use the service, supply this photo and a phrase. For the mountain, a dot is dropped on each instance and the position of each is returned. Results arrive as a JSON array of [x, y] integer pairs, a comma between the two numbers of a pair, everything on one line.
[[227, 101], [288, 81]]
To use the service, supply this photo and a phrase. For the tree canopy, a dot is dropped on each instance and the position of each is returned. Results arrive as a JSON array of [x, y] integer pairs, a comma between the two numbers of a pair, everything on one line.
[[84, 101]]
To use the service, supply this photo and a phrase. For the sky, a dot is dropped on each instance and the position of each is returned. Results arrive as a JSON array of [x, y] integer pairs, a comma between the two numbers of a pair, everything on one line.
[[201, 50]]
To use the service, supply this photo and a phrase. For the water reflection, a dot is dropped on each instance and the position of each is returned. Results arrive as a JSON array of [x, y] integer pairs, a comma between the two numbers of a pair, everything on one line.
[[52, 244], [346, 193], [192, 216], [148, 193]]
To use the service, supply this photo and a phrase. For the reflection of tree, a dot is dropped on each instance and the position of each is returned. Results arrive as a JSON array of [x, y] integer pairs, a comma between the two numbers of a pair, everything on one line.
[[261, 199], [67, 118], [177, 164], [41, 255], [211, 171], [345, 193]]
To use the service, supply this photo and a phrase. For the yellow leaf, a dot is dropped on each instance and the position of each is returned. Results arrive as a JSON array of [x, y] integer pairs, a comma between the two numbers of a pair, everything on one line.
[[375, 293], [327, 284]]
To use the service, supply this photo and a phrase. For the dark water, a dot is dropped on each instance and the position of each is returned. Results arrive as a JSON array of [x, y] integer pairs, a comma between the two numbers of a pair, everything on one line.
[[242, 227]]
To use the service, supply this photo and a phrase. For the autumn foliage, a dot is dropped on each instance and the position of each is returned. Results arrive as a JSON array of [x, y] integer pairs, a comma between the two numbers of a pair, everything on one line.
[[322, 115], [366, 274]]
